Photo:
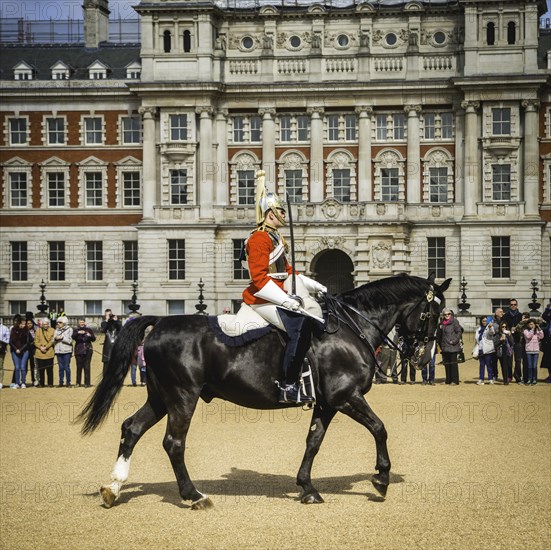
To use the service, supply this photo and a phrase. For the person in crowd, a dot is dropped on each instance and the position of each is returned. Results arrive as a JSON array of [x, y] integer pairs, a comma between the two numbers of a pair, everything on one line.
[[493, 329], [448, 336], [31, 327], [4, 342], [19, 347], [505, 352], [485, 350], [138, 364], [110, 326], [532, 336], [520, 329], [83, 337], [546, 343], [387, 358], [427, 372], [44, 352], [407, 367], [63, 348], [513, 317]]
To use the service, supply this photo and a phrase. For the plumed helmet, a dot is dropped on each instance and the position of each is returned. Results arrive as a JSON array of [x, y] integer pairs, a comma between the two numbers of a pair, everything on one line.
[[266, 200]]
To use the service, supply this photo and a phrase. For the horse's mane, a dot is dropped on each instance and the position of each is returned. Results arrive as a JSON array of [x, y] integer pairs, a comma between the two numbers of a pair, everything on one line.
[[391, 290]]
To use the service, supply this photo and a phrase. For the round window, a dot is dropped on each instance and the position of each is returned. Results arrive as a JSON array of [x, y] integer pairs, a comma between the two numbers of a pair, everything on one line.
[[342, 40], [391, 39], [247, 42], [439, 37], [295, 41]]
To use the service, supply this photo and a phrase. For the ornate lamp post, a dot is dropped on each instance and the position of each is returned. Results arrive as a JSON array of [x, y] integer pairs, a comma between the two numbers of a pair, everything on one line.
[[201, 307], [43, 305], [133, 306], [463, 305], [534, 305]]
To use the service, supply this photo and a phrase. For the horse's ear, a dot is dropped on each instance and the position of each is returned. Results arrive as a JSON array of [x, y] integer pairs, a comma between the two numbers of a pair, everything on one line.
[[444, 286], [431, 277]]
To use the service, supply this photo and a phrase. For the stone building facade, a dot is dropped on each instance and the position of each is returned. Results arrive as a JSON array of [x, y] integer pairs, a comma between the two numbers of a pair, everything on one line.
[[410, 137]]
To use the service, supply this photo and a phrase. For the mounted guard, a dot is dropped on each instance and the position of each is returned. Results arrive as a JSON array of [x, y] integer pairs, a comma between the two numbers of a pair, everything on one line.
[[272, 279]]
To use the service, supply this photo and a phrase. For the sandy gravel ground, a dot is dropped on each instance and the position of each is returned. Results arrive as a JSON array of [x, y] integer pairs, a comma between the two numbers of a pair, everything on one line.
[[471, 468]]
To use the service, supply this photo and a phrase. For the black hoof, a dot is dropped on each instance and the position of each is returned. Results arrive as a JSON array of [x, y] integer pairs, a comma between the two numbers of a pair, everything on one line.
[[381, 488], [312, 498]]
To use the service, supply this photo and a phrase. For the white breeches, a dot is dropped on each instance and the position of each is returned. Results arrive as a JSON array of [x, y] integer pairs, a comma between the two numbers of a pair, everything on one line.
[[269, 311]]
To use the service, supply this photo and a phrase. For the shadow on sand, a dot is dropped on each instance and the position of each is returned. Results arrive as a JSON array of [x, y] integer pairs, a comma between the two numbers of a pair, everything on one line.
[[248, 485]]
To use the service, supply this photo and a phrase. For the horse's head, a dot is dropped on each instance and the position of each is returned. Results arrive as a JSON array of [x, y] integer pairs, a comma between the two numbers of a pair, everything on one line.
[[419, 324]]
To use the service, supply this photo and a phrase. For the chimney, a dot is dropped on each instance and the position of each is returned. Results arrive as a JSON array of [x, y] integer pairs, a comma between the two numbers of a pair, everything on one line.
[[96, 22]]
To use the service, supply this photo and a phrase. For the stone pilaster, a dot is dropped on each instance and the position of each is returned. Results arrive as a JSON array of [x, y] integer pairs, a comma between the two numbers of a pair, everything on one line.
[[471, 168], [207, 164], [222, 176], [365, 181], [149, 162], [413, 167], [531, 160], [317, 168], [268, 145]]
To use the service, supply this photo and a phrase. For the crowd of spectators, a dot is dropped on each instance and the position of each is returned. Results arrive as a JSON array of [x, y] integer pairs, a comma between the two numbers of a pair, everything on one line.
[[34, 345]]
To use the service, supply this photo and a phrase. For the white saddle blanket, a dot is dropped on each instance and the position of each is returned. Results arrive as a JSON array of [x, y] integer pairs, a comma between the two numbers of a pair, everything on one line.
[[246, 319]]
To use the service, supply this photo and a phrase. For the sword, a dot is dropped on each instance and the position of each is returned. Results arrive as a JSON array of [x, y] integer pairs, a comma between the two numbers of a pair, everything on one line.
[[293, 275]]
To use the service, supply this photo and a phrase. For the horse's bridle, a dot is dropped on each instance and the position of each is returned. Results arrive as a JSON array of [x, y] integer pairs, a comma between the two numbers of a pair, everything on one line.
[[411, 346]]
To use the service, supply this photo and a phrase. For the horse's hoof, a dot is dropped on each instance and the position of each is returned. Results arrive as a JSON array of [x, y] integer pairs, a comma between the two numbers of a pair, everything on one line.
[[107, 496], [380, 487], [312, 498], [202, 504]]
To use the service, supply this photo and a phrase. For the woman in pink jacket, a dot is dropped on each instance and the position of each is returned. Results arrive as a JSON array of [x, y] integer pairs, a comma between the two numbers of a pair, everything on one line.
[[532, 336]]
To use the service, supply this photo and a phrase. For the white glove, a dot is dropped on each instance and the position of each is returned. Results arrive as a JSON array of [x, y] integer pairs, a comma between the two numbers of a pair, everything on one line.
[[311, 285], [293, 305]]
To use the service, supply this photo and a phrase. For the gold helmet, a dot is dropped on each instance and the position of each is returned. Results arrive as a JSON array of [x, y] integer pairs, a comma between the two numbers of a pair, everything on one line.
[[265, 200]]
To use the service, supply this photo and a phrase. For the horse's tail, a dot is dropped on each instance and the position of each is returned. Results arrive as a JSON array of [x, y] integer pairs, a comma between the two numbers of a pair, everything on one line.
[[122, 353]]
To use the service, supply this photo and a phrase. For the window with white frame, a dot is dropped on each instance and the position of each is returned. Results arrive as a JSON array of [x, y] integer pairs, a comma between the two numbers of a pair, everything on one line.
[[501, 121], [501, 182], [255, 123], [18, 307], [293, 185], [178, 187], [60, 71], [56, 260], [131, 129], [94, 261], [390, 127], [285, 128], [303, 127], [19, 192], [239, 271], [350, 124], [131, 188], [134, 71], [341, 176], [436, 255], [93, 188], [437, 125], [238, 126], [19, 131], [446, 125], [93, 308], [245, 187], [429, 124], [501, 257], [23, 71], [55, 191], [178, 127], [97, 71], [342, 127], [176, 259], [55, 130], [292, 176], [332, 127], [19, 261], [389, 184], [93, 130], [130, 260], [438, 184]]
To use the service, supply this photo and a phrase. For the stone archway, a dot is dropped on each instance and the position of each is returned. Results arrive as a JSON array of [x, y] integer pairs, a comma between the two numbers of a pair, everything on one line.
[[333, 268]]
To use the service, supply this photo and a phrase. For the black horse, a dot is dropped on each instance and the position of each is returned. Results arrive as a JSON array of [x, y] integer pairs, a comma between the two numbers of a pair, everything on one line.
[[185, 361]]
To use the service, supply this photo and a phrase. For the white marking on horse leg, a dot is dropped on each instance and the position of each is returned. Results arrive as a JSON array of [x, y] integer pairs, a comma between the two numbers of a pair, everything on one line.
[[119, 474]]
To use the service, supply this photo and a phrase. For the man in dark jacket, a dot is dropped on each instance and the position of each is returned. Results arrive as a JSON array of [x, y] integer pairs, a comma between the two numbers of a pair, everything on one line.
[[513, 318]]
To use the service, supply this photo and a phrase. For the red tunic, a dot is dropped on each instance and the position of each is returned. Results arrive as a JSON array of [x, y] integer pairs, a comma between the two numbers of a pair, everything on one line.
[[259, 247]]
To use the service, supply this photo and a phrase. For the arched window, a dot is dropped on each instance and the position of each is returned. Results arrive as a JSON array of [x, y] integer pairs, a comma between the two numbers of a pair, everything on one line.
[[187, 41], [167, 41], [491, 34], [511, 32]]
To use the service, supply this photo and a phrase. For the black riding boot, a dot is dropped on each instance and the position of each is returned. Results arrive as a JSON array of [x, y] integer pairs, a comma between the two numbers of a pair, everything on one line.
[[299, 336]]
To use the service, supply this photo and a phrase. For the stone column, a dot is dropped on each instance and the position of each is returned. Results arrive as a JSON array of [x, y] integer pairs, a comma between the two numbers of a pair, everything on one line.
[[221, 174], [531, 159], [317, 168], [413, 162], [149, 176], [206, 169], [471, 170], [268, 146], [459, 191], [365, 182]]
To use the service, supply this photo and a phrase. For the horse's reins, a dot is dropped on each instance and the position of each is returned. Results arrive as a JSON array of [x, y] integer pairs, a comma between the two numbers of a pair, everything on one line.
[[412, 344]]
